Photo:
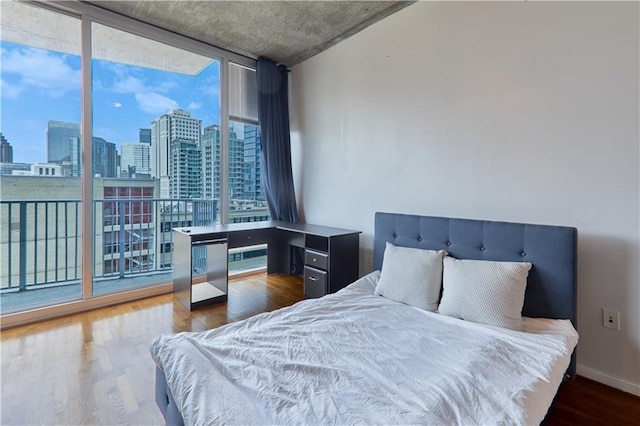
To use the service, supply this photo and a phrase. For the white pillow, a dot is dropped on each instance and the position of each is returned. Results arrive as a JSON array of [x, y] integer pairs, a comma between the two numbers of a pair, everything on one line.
[[412, 276], [485, 292]]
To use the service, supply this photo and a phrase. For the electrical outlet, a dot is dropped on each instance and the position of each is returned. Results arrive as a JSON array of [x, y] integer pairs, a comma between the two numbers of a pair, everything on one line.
[[610, 319]]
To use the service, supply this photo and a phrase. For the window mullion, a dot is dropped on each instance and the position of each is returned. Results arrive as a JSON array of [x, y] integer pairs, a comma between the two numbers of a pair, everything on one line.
[[223, 208], [87, 160]]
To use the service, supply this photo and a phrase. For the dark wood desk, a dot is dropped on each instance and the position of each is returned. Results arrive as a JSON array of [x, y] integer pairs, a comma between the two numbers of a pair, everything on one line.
[[331, 256]]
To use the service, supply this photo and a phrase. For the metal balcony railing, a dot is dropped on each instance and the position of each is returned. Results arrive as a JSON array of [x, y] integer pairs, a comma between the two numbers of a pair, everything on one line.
[[35, 236], [40, 240]]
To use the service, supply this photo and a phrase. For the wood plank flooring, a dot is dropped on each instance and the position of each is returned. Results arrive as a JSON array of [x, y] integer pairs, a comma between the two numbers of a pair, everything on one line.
[[585, 402], [95, 368]]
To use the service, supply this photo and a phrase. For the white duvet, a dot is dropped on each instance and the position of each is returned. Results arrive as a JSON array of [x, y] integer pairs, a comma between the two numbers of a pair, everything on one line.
[[356, 358]]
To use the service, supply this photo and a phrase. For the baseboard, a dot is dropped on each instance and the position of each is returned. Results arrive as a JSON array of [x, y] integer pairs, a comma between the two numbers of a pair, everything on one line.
[[614, 382]]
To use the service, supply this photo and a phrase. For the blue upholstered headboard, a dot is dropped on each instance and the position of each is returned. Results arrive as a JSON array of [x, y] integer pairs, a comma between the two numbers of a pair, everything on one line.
[[552, 250]]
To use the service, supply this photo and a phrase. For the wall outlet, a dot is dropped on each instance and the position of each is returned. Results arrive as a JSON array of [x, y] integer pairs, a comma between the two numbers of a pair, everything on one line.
[[610, 319]]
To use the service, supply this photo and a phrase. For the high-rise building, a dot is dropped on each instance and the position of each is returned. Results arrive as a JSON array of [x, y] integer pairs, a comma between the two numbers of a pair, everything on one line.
[[253, 189], [104, 158], [6, 150], [210, 147], [236, 166], [185, 169], [136, 156], [176, 125], [59, 137], [145, 136], [75, 156]]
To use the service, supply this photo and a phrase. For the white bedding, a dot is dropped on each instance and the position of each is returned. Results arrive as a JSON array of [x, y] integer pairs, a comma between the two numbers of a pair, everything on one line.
[[356, 358]]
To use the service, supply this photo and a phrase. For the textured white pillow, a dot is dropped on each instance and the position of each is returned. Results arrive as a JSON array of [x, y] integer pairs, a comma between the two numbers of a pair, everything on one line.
[[483, 291], [412, 276]]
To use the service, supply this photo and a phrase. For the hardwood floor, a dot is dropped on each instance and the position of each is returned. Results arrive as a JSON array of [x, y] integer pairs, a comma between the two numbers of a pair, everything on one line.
[[95, 367], [585, 402]]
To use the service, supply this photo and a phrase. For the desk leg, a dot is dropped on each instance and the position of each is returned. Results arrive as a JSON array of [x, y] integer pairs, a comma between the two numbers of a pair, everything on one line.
[[278, 258]]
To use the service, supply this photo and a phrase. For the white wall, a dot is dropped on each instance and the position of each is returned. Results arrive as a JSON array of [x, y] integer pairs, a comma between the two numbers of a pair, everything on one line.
[[523, 112]]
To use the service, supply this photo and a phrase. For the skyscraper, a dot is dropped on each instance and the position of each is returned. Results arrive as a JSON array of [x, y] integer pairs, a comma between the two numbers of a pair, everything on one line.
[[75, 156], [59, 137], [210, 148], [253, 189], [185, 169], [176, 125], [136, 155], [104, 158], [6, 150], [236, 165], [145, 136]]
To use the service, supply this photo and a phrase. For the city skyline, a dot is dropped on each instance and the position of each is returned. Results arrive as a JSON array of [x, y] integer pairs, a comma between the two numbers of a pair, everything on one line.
[[123, 225], [39, 86]]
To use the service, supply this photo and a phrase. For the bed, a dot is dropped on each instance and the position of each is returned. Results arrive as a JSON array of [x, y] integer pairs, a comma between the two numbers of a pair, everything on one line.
[[360, 356]]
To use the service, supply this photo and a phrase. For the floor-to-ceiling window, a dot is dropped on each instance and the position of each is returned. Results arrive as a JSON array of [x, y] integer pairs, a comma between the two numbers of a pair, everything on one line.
[[40, 191], [138, 113], [143, 188], [247, 201]]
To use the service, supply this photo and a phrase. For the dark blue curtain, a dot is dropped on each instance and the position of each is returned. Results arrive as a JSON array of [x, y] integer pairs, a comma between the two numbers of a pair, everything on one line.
[[277, 175], [273, 114]]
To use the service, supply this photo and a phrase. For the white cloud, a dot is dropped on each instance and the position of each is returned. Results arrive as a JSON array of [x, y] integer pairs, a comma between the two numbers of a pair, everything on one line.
[[155, 103], [118, 69], [164, 87], [150, 99], [129, 85], [194, 105], [211, 90], [117, 105], [41, 69], [9, 91]]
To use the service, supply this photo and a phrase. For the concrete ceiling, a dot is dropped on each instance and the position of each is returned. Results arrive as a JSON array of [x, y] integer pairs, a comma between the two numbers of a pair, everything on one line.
[[286, 31]]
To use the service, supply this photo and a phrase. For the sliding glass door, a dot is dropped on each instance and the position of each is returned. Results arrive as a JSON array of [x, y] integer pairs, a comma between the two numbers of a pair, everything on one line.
[[118, 131], [40, 191], [156, 115]]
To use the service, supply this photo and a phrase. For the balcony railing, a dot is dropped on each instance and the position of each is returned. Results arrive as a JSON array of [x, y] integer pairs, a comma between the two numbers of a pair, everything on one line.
[[40, 240]]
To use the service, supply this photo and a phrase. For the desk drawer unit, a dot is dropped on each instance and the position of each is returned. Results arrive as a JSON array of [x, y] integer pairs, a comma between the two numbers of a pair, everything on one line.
[[316, 259], [315, 282]]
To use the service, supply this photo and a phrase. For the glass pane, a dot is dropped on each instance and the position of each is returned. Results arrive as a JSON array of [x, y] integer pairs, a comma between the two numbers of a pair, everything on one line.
[[246, 194], [40, 208], [243, 94], [154, 113]]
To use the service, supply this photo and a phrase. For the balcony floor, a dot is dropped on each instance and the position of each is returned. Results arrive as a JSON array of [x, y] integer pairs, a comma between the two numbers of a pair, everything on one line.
[[16, 301], [38, 297]]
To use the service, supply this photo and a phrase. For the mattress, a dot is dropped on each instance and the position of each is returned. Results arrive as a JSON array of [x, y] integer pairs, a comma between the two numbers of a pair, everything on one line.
[[352, 357]]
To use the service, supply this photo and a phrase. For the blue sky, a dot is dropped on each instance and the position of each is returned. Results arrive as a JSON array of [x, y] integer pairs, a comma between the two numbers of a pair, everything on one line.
[[40, 85]]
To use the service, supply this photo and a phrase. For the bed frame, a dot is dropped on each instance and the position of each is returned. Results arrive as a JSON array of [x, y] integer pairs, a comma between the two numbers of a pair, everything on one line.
[[552, 250]]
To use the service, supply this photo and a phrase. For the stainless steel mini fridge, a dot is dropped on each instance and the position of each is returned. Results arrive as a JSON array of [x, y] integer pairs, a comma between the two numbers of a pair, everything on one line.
[[200, 270]]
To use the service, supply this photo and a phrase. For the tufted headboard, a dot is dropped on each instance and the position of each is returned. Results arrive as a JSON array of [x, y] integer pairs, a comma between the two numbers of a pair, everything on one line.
[[552, 250]]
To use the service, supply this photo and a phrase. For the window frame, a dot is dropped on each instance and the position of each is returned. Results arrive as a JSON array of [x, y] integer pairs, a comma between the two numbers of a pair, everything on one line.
[[89, 14]]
